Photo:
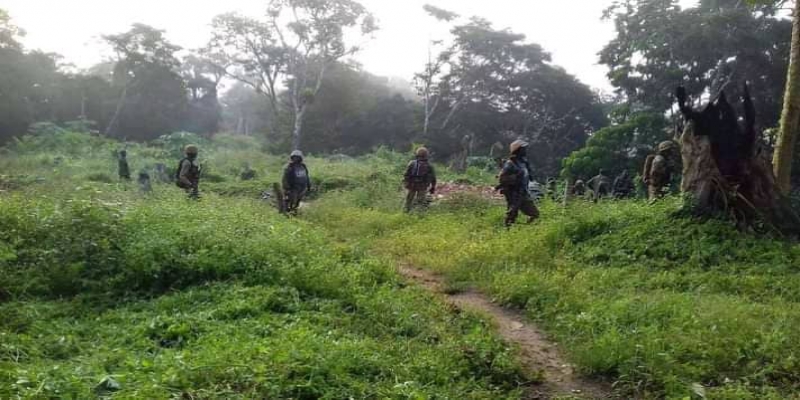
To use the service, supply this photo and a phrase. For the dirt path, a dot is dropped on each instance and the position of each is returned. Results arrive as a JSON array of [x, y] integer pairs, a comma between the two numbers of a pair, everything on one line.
[[537, 353]]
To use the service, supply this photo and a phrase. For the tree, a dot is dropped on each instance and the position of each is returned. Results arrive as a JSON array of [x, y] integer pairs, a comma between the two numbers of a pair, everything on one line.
[[790, 117], [202, 78], [152, 99], [430, 81], [9, 33], [725, 168], [621, 146], [295, 44], [497, 87], [659, 45]]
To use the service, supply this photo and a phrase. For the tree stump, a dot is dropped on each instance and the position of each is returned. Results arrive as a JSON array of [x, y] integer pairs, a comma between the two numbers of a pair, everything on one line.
[[726, 169]]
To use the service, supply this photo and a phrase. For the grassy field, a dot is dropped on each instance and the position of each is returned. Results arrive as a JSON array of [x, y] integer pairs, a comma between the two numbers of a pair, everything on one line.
[[661, 305], [108, 292]]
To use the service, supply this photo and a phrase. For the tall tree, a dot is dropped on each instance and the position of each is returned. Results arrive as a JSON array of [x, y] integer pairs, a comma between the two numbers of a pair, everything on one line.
[[660, 45], [152, 99], [295, 44], [497, 87], [790, 117]]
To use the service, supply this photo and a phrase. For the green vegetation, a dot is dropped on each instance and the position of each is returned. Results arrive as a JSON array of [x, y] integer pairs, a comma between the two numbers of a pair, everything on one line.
[[105, 292], [665, 307]]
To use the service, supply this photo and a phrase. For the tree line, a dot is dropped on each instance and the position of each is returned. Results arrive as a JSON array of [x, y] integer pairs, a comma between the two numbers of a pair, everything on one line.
[[289, 75]]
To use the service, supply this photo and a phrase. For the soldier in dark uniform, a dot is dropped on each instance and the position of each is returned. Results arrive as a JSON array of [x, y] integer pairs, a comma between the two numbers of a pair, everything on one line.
[[188, 175], [419, 180], [296, 182], [514, 179]]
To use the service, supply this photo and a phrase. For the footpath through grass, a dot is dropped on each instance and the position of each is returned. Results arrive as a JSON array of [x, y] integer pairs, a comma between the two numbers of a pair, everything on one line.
[[664, 307]]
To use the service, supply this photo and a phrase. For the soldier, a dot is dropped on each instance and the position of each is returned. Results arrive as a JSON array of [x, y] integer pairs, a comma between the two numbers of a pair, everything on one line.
[[623, 186], [658, 170], [419, 180], [187, 176], [579, 188], [122, 165], [144, 182], [600, 185], [514, 179], [296, 182]]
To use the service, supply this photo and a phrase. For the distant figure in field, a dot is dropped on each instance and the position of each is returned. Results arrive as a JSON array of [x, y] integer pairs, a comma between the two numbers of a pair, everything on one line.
[[514, 179], [122, 165], [623, 186], [579, 188], [296, 182], [600, 186], [144, 182], [419, 180], [161, 173], [247, 173], [188, 175], [658, 170]]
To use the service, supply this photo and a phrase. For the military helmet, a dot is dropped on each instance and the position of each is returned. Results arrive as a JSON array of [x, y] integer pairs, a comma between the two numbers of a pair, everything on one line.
[[190, 149], [296, 153], [666, 146], [516, 145], [422, 152]]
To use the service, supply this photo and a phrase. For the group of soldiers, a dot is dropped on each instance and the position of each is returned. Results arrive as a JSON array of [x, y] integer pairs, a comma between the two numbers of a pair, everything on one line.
[[296, 178], [515, 179]]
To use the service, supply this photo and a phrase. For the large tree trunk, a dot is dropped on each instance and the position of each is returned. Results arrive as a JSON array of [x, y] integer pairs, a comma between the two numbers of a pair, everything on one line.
[[726, 171], [790, 118], [298, 127]]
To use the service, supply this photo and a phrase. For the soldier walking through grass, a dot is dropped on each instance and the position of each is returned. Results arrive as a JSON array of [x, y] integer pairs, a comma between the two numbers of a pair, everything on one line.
[[296, 182], [123, 169], [514, 179], [419, 180], [188, 175]]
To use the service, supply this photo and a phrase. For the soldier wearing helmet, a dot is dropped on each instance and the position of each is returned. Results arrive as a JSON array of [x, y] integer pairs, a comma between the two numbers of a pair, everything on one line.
[[296, 182], [188, 174], [123, 169], [419, 180], [659, 169], [514, 179]]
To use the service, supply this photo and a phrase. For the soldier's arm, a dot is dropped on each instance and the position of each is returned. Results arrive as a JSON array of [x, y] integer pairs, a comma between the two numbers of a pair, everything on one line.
[[286, 181], [183, 176], [308, 179]]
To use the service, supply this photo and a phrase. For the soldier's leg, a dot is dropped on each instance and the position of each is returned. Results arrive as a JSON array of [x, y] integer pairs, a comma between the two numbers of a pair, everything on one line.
[[529, 208], [410, 199], [514, 200]]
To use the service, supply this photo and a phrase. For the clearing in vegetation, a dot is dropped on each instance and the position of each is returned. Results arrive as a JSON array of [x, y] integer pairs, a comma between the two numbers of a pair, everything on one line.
[[111, 293]]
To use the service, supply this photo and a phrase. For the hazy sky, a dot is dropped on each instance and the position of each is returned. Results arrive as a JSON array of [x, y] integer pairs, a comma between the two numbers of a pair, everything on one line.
[[571, 30]]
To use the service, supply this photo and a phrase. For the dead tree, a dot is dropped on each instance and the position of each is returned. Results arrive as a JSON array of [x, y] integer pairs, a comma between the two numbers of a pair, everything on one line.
[[726, 168]]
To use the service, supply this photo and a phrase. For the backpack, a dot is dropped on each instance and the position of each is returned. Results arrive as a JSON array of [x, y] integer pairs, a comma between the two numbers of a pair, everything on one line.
[[420, 170], [510, 179], [192, 174]]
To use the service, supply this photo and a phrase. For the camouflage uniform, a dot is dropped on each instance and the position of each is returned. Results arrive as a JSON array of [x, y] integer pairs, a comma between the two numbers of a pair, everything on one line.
[[419, 180], [188, 175], [296, 182], [658, 171], [514, 179], [600, 185]]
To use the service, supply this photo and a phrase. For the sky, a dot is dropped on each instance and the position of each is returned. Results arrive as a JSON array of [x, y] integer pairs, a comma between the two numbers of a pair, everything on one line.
[[571, 30]]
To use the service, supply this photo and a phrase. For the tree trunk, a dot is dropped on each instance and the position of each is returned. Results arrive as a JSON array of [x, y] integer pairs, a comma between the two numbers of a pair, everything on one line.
[[790, 118], [298, 127], [726, 170], [112, 125]]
